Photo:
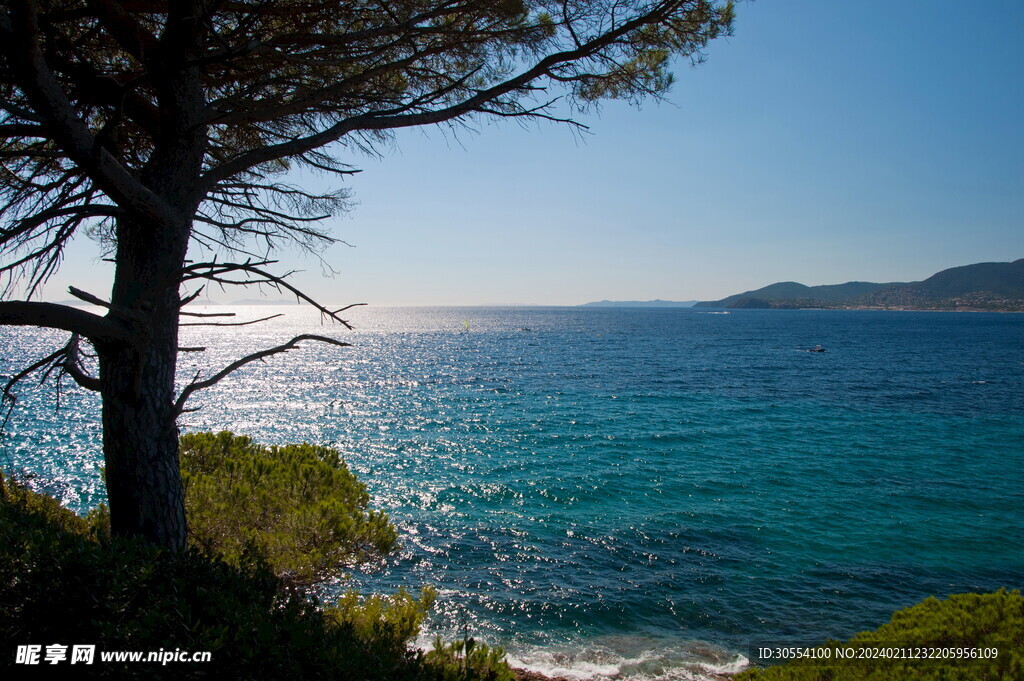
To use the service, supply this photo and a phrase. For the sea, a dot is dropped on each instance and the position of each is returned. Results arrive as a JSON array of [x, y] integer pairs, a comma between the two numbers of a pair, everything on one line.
[[639, 494]]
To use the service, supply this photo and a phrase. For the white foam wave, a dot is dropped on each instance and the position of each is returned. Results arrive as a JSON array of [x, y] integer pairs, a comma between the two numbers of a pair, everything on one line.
[[632, 659]]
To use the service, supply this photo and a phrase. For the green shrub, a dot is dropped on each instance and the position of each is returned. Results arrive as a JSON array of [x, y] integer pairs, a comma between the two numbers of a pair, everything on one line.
[[397, 618], [400, 614], [468, 660], [971, 621], [387, 625], [299, 506]]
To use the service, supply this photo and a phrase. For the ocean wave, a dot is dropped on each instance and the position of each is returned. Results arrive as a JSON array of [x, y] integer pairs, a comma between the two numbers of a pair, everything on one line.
[[630, 658]]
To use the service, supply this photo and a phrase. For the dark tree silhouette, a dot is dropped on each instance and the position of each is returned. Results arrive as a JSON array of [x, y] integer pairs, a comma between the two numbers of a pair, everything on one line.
[[158, 126]]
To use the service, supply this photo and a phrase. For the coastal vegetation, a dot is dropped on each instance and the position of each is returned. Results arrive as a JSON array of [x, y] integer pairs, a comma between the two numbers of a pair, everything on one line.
[[975, 637], [245, 599], [298, 506]]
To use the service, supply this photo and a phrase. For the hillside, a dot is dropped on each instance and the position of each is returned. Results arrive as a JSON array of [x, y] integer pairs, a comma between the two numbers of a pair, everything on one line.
[[982, 286], [789, 293], [988, 285]]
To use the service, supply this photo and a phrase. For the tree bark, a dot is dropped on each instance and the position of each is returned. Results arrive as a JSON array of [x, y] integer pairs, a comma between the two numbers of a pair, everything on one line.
[[140, 436]]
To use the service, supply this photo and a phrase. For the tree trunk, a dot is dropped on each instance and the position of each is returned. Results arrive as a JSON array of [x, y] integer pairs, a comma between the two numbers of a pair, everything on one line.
[[140, 436], [140, 446]]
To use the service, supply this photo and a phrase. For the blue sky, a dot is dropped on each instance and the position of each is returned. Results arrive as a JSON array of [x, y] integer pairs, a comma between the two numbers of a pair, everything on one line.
[[823, 142]]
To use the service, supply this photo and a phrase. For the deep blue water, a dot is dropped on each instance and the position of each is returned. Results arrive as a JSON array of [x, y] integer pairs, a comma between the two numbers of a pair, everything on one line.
[[633, 491]]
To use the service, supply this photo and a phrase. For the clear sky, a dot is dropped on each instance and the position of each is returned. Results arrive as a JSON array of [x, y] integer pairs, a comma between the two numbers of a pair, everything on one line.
[[824, 142]]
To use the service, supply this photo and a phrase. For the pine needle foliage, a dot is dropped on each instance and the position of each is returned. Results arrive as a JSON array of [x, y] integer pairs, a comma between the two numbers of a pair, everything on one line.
[[962, 621], [468, 660], [296, 505], [401, 614]]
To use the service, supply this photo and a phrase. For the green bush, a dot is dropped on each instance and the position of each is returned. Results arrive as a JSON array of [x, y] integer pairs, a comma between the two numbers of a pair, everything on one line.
[[468, 660], [299, 506], [400, 614], [970, 621]]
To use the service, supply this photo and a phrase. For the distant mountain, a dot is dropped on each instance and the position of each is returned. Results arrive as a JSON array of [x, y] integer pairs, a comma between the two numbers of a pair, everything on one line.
[[790, 292], [640, 303], [983, 286]]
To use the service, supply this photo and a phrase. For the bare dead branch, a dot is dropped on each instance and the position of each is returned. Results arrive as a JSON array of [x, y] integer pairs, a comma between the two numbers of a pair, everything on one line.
[[188, 299], [254, 321], [95, 300], [238, 364], [347, 307], [72, 366], [87, 297], [213, 272], [45, 361], [67, 359]]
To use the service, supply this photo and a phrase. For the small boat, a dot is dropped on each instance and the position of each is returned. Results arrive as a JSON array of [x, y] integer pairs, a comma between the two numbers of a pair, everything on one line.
[[816, 348]]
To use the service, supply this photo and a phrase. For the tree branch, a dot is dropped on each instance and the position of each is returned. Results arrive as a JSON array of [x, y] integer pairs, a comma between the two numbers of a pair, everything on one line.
[[47, 97], [238, 364], [214, 270], [88, 297], [7, 394], [99, 302], [55, 316], [72, 366], [67, 359], [207, 314], [132, 37], [254, 321], [372, 121]]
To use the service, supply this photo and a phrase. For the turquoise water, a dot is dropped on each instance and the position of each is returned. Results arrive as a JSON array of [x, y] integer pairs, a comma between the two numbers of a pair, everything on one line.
[[647, 493]]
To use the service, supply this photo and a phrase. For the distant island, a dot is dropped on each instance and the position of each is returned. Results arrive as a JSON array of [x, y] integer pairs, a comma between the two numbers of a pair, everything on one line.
[[987, 286], [641, 303]]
